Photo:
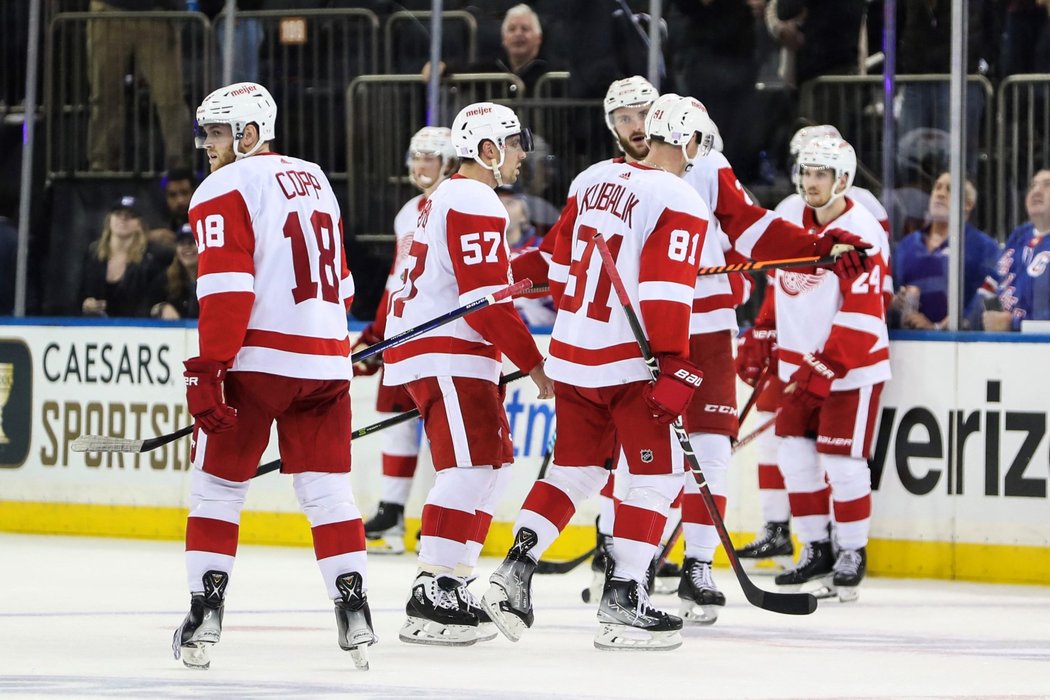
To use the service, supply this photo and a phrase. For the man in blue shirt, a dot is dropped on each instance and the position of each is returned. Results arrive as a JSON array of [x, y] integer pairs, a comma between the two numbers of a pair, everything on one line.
[[920, 263], [1023, 285]]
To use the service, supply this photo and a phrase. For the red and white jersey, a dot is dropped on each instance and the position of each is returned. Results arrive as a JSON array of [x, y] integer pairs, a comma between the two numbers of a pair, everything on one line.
[[843, 320], [458, 254], [404, 230], [792, 206], [273, 282], [655, 226]]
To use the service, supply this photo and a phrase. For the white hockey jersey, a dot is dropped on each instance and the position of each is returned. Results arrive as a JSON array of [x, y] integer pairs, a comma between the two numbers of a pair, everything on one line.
[[404, 230], [845, 321], [655, 225], [273, 282], [458, 254]]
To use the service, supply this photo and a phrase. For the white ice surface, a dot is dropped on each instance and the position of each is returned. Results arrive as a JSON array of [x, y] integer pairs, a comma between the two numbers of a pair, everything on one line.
[[84, 617]]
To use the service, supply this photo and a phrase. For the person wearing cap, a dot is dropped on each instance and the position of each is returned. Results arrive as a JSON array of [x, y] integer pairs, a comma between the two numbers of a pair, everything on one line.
[[119, 266], [176, 289]]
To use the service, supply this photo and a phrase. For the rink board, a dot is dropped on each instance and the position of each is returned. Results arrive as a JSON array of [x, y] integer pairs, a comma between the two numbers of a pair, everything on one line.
[[960, 468]]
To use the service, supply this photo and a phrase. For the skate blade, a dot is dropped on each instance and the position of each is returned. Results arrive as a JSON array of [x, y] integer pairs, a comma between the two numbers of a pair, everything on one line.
[[593, 592], [419, 631], [196, 655], [358, 645], [385, 545], [847, 594], [767, 566], [666, 585], [487, 631], [359, 655], [614, 637], [698, 614], [818, 586], [508, 623]]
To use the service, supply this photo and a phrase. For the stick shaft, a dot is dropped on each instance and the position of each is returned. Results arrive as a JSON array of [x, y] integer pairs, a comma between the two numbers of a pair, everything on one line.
[[787, 603], [758, 266]]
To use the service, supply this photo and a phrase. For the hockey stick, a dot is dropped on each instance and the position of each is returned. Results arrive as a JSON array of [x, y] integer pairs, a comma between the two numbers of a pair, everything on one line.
[[548, 452], [753, 435], [563, 567], [105, 443], [760, 265], [785, 603], [383, 424], [763, 377]]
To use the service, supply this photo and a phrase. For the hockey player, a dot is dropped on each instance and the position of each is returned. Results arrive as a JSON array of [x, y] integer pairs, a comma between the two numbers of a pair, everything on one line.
[[833, 357], [756, 352], [274, 289], [655, 225], [430, 160], [459, 254]]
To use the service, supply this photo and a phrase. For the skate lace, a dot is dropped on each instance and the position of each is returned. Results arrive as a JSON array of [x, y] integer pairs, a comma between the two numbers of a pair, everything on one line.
[[700, 575], [443, 598], [644, 607], [468, 595], [807, 555], [848, 562]]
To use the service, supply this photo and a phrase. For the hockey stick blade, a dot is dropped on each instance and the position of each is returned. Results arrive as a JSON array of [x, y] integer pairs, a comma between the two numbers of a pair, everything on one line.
[[104, 443], [783, 603], [563, 567]]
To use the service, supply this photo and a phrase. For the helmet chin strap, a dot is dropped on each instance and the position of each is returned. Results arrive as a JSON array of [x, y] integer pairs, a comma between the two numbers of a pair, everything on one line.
[[831, 200], [494, 167]]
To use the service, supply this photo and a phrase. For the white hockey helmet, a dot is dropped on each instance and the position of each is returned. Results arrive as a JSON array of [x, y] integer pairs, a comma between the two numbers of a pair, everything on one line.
[[833, 154], [628, 92], [674, 119], [486, 121], [804, 136], [432, 140], [239, 105]]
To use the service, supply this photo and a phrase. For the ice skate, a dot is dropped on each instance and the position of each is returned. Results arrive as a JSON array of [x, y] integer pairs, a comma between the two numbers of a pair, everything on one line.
[[436, 615], [666, 577], [486, 629], [353, 618], [849, 570], [202, 627], [509, 598], [815, 564], [700, 597], [628, 621], [385, 532], [602, 554], [770, 551]]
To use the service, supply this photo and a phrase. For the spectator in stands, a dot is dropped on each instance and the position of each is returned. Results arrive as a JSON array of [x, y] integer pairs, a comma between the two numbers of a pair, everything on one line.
[[8, 263], [1022, 281], [247, 38], [520, 231], [713, 58], [177, 288], [522, 39], [1025, 38], [925, 47], [825, 36], [152, 44], [178, 186], [119, 267], [920, 263]]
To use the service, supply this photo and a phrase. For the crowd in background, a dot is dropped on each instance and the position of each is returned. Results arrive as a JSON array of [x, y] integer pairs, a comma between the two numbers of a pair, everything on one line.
[[726, 52]]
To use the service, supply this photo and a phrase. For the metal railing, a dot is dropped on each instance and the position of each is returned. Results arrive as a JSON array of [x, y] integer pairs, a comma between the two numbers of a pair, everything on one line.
[[383, 113], [1023, 143], [855, 105], [552, 85], [406, 40]]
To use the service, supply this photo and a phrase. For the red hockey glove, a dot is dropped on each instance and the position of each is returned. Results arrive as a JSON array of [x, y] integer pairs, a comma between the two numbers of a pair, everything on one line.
[[669, 395], [371, 365], [851, 263], [204, 395], [812, 380], [755, 353]]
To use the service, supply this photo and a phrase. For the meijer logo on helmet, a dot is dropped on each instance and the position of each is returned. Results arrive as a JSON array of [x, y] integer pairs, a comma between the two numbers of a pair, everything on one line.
[[479, 111]]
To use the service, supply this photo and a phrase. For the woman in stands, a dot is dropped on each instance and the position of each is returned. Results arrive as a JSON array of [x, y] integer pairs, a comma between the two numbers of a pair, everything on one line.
[[176, 290]]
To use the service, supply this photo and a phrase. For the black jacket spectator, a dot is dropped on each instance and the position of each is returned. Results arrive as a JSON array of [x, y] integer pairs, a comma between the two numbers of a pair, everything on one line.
[[832, 32], [925, 31], [129, 297]]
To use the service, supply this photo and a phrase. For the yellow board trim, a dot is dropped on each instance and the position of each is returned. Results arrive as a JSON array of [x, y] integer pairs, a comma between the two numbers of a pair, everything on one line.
[[992, 563]]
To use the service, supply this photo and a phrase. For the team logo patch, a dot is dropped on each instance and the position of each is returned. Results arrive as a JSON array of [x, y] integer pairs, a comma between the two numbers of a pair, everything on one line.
[[795, 283], [647, 456]]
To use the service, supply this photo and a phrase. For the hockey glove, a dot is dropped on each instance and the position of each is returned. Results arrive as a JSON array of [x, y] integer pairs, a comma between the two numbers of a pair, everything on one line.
[[371, 365], [755, 353], [812, 380], [669, 395], [204, 395], [851, 263]]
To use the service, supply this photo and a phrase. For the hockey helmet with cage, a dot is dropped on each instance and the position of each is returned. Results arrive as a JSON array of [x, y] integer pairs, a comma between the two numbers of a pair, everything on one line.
[[627, 92], [833, 154], [432, 140], [674, 119], [804, 136], [486, 121], [239, 105]]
